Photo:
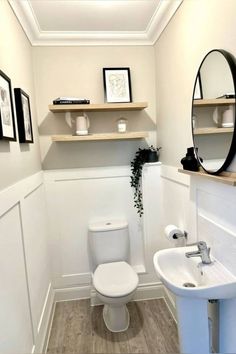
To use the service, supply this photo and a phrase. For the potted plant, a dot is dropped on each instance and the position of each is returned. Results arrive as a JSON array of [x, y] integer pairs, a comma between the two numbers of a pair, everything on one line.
[[142, 156]]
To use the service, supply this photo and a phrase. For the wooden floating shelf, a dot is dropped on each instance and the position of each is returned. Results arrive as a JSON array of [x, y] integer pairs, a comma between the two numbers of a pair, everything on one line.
[[203, 131], [224, 177], [214, 102], [132, 106], [103, 136]]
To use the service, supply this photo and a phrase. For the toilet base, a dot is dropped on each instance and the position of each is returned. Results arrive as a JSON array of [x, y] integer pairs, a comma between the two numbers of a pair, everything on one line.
[[116, 318]]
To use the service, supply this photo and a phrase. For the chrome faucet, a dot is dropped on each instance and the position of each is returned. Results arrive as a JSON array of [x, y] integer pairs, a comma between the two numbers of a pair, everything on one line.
[[203, 252]]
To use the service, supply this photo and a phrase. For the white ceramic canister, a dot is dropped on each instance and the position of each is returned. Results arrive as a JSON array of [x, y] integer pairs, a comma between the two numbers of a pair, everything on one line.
[[122, 125]]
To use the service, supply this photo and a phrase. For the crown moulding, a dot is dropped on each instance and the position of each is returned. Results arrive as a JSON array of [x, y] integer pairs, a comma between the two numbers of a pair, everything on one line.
[[160, 19]]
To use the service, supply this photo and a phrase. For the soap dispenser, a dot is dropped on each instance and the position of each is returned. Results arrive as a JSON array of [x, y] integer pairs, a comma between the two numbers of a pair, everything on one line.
[[190, 162]]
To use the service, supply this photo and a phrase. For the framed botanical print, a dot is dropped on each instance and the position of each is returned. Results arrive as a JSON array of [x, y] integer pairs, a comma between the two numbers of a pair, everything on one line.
[[117, 85], [23, 116], [7, 122]]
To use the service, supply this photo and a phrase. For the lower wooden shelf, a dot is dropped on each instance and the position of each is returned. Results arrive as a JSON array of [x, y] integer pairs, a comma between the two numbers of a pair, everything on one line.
[[225, 177], [202, 131], [103, 136], [214, 102]]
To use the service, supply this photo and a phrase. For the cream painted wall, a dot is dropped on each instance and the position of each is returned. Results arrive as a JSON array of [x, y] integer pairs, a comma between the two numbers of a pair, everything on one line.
[[26, 296], [17, 160], [77, 71], [197, 27]]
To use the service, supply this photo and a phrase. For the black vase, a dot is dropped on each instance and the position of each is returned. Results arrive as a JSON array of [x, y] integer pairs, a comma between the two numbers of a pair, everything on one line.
[[190, 162]]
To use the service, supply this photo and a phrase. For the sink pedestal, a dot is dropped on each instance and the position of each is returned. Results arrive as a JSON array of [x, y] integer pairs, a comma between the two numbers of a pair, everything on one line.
[[193, 327], [227, 326]]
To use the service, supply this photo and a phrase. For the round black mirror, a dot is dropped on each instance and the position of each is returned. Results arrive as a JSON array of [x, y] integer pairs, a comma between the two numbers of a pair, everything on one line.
[[213, 111]]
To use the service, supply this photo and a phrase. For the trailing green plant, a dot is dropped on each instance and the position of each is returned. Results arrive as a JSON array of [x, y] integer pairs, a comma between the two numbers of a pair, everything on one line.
[[141, 157]]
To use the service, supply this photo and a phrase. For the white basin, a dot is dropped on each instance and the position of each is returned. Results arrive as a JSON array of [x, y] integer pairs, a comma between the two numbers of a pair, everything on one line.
[[212, 281]]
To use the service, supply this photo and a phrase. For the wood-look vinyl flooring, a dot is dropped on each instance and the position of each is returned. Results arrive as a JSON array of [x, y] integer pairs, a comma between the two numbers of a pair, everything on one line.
[[79, 328]]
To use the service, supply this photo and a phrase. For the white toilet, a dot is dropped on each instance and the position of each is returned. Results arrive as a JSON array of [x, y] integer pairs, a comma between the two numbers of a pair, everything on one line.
[[114, 279]]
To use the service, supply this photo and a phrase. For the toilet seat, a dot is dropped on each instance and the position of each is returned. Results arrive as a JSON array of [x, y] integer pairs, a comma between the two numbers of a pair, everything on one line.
[[115, 279]]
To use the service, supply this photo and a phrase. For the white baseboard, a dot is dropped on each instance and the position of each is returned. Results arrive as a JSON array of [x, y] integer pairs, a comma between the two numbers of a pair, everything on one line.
[[47, 337], [75, 293], [149, 291], [45, 322], [144, 292], [170, 303]]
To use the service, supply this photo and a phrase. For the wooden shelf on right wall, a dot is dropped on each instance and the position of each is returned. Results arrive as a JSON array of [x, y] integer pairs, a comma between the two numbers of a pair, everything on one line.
[[225, 177], [212, 130], [214, 102]]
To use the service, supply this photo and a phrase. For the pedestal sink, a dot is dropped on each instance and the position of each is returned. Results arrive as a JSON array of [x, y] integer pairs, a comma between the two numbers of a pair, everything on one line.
[[194, 283]]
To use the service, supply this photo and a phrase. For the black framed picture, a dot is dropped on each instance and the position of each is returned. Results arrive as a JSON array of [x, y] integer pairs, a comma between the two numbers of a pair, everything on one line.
[[117, 85], [7, 122], [23, 116]]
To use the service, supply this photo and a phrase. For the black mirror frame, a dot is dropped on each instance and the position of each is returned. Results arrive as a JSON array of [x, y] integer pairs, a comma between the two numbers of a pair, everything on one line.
[[232, 65]]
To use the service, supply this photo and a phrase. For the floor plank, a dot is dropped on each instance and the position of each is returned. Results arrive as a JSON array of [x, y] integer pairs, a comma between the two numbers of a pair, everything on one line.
[[79, 328]]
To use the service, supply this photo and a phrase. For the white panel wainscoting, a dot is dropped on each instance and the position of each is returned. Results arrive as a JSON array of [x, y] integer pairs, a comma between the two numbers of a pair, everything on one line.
[[15, 319], [207, 211], [177, 207], [27, 296], [216, 224], [152, 203], [77, 197]]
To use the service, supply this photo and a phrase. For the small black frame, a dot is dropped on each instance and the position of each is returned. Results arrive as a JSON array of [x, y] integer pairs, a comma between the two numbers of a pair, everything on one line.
[[117, 85], [23, 113], [7, 121]]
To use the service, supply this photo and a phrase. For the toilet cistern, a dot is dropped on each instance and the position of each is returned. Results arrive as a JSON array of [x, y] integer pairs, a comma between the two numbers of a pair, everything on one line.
[[203, 252]]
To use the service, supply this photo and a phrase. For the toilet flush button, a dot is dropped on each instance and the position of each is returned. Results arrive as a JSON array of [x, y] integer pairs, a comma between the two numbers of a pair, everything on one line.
[[108, 225]]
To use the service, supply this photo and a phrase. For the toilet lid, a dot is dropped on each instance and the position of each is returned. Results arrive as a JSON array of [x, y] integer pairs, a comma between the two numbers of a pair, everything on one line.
[[115, 279]]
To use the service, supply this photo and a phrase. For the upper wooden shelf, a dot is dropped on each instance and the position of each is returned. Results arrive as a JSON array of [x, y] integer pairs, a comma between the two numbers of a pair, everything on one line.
[[132, 106], [214, 102], [225, 177], [101, 136], [212, 130]]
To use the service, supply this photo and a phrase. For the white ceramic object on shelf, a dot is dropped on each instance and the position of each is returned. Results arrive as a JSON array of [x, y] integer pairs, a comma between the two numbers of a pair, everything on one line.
[[122, 125], [79, 125], [82, 125], [228, 117], [224, 117]]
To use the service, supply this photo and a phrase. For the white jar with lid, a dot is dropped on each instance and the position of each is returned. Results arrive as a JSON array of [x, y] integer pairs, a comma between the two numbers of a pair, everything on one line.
[[122, 125]]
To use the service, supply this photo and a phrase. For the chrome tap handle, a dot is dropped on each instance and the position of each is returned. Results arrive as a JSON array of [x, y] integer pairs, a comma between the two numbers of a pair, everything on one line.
[[200, 244]]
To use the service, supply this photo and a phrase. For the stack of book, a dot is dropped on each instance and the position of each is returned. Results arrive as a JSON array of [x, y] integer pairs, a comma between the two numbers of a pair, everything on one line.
[[70, 100]]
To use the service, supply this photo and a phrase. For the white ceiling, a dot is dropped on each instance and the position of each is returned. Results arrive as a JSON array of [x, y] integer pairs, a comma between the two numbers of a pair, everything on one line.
[[94, 22]]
